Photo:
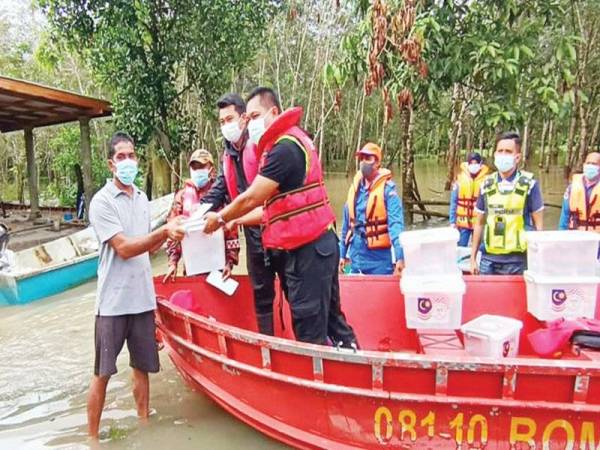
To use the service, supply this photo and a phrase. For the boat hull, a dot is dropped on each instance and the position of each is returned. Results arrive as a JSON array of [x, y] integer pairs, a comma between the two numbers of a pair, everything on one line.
[[19, 290], [318, 397]]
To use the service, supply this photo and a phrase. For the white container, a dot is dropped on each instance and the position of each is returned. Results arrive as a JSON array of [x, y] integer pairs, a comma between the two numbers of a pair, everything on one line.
[[492, 336], [203, 253], [433, 302], [430, 251], [550, 298], [570, 253]]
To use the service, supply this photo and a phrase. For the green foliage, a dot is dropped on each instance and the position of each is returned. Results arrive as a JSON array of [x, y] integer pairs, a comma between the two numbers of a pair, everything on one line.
[[153, 53]]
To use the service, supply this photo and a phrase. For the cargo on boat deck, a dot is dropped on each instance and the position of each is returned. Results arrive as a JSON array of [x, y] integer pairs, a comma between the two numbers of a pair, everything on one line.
[[492, 336]]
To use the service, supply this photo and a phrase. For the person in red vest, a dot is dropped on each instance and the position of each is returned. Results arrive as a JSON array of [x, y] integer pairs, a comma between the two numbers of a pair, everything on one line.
[[297, 218], [238, 170], [187, 199]]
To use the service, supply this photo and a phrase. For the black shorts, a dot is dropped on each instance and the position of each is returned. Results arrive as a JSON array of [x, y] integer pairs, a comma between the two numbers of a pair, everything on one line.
[[138, 330]]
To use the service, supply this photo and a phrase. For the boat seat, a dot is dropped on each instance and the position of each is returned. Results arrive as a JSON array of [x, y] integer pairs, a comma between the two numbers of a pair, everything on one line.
[[593, 355], [440, 342]]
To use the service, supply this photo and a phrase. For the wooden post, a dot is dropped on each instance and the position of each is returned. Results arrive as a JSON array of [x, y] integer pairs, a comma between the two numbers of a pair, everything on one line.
[[32, 178], [85, 156]]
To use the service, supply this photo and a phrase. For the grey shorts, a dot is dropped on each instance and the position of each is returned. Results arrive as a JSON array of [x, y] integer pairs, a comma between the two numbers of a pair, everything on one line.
[[138, 330]]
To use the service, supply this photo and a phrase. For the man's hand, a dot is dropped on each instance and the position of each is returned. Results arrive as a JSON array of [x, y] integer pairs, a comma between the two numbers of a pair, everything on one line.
[[398, 267], [227, 271], [231, 225], [171, 273], [174, 229], [213, 222], [474, 266], [343, 263]]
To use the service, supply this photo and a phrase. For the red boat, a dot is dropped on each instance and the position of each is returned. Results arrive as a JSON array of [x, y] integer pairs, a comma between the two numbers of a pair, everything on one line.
[[404, 389]]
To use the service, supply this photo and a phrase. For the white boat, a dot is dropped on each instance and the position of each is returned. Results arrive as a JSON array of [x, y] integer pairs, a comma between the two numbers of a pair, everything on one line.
[[58, 265]]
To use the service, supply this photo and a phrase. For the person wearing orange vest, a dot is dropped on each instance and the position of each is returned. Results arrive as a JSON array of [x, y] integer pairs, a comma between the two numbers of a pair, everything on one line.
[[297, 218], [373, 219], [581, 203], [463, 197], [187, 199]]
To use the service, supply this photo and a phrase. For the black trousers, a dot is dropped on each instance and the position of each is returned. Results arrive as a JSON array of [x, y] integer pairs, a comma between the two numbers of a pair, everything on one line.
[[311, 272], [262, 271]]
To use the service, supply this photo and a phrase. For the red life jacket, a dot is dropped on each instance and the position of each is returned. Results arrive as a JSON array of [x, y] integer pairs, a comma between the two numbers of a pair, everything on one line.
[[249, 165], [295, 218], [190, 198]]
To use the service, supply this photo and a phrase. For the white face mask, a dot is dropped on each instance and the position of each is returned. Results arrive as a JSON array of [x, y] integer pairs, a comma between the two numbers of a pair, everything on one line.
[[232, 131], [474, 168], [256, 128]]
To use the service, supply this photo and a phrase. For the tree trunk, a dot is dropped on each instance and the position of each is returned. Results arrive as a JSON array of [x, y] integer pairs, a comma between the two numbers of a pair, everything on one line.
[[526, 145], [571, 137], [583, 131], [593, 145], [410, 190], [550, 142], [32, 175], [85, 157], [543, 145], [454, 135]]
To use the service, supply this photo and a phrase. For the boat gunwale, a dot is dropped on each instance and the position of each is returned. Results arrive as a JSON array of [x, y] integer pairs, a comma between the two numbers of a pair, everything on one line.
[[373, 358], [43, 270], [233, 364]]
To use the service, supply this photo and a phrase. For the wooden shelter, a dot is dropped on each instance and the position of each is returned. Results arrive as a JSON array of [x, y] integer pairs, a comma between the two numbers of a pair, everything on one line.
[[25, 106]]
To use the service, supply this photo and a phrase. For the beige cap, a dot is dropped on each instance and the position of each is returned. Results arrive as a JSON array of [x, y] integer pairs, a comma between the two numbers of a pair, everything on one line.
[[202, 156]]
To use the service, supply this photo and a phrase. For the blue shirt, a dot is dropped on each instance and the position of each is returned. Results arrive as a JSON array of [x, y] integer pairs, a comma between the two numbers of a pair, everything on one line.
[[533, 203], [363, 258], [453, 203], [563, 223]]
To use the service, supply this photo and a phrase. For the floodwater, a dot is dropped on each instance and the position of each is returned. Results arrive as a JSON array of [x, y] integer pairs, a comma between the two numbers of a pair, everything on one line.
[[46, 359]]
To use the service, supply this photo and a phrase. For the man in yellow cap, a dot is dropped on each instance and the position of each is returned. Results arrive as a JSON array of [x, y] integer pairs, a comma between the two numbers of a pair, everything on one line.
[[373, 219], [187, 199]]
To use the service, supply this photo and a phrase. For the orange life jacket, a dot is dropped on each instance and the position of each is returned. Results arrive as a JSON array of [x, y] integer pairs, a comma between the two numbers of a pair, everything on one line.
[[376, 228], [468, 191], [295, 218], [584, 214]]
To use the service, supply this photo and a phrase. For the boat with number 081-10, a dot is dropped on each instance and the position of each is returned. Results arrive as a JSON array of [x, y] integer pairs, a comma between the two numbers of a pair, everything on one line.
[[404, 388]]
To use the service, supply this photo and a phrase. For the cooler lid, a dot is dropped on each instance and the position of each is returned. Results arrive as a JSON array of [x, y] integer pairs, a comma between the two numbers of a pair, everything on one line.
[[562, 236], [491, 326], [533, 277], [429, 236], [444, 284]]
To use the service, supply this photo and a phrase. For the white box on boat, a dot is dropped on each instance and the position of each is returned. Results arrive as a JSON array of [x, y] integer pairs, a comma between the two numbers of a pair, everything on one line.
[[551, 297], [433, 301], [492, 336], [433, 250], [563, 253]]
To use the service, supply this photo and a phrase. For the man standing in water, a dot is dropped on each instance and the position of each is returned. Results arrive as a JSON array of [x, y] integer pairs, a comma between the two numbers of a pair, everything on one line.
[[125, 303], [510, 202]]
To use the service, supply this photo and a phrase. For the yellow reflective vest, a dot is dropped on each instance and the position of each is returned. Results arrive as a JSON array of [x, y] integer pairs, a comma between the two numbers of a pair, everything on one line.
[[505, 224]]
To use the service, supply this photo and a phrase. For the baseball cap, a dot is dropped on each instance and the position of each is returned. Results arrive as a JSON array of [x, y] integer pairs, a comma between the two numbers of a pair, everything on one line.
[[370, 149], [473, 156], [202, 156]]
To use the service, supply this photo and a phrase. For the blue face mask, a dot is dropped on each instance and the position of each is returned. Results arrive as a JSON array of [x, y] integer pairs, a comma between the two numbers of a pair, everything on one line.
[[591, 171], [199, 177], [504, 163], [126, 171]]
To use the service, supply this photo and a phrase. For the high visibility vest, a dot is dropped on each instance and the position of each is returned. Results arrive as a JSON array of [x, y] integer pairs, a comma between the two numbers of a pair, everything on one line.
[[249, 166], [298, 217], [376, 226], [505, 224], [468, 191], [584, 213]]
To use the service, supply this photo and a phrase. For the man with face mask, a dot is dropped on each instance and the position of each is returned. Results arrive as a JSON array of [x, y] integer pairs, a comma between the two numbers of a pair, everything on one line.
[[581, 203], [297, 218], [509, 203], [463, 197], [373, 219], [238, 170], [202, 177], [125, 303]]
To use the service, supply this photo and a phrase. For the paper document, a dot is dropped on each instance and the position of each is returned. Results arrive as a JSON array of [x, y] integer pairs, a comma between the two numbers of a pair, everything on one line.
[[215, 278]]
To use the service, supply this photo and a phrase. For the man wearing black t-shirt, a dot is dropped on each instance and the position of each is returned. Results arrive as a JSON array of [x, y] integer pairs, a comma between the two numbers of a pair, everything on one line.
[[297, 218]]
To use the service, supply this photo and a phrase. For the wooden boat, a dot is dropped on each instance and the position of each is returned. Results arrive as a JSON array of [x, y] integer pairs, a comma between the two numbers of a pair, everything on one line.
[[61, 264], [398, 391]]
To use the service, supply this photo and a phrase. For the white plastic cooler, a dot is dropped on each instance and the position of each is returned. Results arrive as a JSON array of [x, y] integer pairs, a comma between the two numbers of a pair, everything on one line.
[[430, 252], [492, 336], [551, 297], [433, 302], [562, 253]]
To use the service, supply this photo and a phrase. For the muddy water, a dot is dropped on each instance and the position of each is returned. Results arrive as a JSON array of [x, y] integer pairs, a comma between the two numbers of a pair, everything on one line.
[[46, 357]]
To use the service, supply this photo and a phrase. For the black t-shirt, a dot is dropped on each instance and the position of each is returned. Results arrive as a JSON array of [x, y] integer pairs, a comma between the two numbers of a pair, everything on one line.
[[286, 165]]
